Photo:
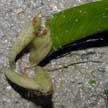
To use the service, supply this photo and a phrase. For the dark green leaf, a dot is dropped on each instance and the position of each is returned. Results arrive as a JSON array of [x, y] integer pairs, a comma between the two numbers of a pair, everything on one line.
[[78, 22]]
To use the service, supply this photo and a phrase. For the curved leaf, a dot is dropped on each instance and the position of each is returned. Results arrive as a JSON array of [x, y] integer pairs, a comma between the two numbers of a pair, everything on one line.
[[78, 22]]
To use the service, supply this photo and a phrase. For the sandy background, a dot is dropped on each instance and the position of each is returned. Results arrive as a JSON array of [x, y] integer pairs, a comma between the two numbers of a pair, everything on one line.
[[80, 77]]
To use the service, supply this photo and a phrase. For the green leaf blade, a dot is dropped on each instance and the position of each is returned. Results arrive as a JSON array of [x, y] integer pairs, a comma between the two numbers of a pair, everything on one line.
[[78, 22]]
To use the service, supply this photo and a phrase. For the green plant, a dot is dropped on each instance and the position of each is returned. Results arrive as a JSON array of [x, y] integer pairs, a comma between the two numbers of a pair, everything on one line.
[[63, 28]]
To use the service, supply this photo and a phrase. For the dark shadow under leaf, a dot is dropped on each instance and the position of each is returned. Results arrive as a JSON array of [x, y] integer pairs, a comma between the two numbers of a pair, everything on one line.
[[96, 40]]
